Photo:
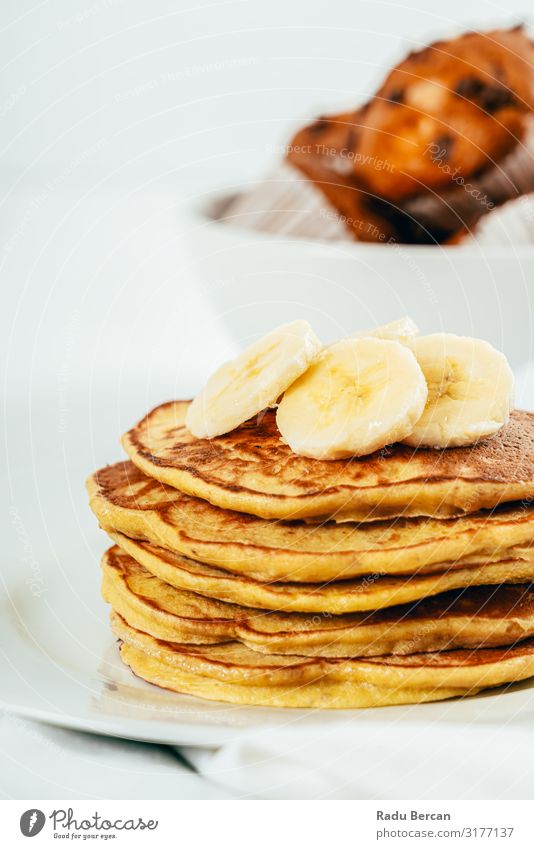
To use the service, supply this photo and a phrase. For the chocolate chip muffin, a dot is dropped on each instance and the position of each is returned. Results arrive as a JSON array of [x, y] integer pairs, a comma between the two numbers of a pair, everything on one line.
[[446, 138]]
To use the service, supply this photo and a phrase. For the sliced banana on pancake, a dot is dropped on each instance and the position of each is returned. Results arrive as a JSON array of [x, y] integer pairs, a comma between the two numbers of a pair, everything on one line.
[[401, 330], [253, 381], [470, 391], [359, 395]]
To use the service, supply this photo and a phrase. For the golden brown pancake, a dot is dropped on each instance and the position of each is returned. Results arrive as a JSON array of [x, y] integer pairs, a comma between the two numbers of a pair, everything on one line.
[[371, 592], [472, 618], [222, 667], [320, 694], [126, 500], [252, 471]]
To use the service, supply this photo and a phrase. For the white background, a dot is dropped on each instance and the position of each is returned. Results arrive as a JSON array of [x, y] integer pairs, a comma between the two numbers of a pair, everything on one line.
[[113, 114]]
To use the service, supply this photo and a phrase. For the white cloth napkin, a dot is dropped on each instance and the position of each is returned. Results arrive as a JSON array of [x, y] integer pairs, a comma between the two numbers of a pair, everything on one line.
[[345, 759], [374, 761], [39, 761]]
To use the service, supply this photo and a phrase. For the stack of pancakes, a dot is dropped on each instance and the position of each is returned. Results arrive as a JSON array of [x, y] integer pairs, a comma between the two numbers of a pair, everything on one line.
[[245, 573]]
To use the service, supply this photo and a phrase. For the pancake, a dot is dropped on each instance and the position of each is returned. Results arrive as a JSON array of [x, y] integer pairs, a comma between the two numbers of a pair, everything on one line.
[[125, 500], [371, 592], [321, 694], [472, 618], [437, 674], [252, 471]]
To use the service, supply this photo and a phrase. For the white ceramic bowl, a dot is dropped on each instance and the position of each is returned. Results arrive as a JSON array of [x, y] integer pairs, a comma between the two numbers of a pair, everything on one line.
[[256, 281]]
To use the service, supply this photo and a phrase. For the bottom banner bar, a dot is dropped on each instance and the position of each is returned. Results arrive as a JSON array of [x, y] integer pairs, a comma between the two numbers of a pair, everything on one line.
[[264, 824]]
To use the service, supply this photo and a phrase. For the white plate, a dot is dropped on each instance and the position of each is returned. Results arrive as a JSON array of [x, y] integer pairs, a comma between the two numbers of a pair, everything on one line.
[[59, 664]]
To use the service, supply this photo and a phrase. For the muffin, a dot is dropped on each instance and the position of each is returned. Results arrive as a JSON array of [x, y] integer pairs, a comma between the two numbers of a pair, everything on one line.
[[447, 138]]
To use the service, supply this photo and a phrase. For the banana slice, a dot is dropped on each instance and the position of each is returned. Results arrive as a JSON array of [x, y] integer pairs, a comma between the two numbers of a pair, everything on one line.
[[360, 395], [254, 380], [402, 330], [470, 390]]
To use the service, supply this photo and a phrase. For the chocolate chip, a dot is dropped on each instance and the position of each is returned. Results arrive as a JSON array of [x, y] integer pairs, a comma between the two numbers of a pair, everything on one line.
[[470, 87], [489, 96], [496, 98], [396, 96]]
